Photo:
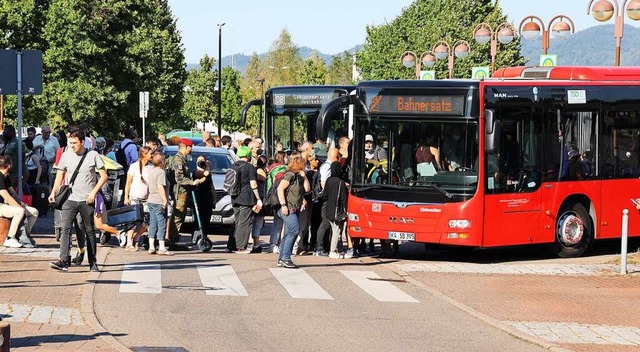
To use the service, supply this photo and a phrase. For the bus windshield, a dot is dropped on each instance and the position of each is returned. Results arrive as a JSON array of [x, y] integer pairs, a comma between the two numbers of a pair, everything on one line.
[[416, 160]]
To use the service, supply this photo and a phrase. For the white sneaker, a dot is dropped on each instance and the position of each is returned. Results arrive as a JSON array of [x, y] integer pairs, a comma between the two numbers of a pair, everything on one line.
[[12, 242], [334, 255], [276, 249], [123, 239]]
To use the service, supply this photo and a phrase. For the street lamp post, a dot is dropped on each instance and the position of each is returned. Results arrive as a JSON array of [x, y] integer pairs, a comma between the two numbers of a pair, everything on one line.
[[442, 49], [483, 34], [409, 59], [603, 10], [532, 29], [220, 78], [261, 81]]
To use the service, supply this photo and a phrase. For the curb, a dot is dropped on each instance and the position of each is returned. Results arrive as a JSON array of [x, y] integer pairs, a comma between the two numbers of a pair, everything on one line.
[[477, 314], [86, 306]]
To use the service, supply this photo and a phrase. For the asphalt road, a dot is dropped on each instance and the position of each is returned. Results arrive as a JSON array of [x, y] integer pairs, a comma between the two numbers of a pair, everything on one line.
[[351, 305]]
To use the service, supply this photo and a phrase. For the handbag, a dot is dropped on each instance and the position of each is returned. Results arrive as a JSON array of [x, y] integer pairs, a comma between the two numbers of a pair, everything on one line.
[[65, 191]]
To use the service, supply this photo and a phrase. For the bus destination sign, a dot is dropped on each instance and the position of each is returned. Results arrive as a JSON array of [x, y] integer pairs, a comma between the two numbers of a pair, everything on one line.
[[418, 104], [302, 99]]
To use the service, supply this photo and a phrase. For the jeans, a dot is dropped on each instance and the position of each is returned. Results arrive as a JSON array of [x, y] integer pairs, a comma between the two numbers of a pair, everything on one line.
[[258, 224], [276, 229], [291, 229], [157, 221], [70, 209]]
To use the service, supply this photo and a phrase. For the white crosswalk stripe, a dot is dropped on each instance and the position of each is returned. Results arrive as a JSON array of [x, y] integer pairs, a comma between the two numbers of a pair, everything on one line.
[[141, 278], [383, 291], [299, 284], [222, 281]]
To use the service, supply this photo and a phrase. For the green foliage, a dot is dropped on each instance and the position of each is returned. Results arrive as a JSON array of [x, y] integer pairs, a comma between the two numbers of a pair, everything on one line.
[[340, 69], [200, 96], [283, 62], [231, 99], [98, 55], [421, 25], [313, 70]]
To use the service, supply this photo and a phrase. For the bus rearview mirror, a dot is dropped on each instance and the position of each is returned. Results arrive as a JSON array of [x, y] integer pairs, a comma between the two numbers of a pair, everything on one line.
[[492, 129]]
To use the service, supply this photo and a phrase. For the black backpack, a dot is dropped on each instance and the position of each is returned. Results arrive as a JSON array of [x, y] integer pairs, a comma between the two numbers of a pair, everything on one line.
[[121, 157], [316, 187], [232, 184]]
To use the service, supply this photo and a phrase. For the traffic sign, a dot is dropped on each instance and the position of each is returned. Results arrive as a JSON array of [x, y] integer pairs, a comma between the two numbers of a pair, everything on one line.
[[31, 72], [144, 104], [548, 60], [427, 75], [480, 72]]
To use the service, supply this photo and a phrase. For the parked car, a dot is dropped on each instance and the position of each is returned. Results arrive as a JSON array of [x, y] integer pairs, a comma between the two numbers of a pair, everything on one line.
[[220, 160]]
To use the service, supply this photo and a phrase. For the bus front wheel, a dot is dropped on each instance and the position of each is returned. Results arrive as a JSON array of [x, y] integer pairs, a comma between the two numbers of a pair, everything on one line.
[[574, 231]]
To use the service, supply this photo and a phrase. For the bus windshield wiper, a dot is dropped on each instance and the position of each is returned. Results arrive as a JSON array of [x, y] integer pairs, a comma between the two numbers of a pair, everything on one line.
[[381, 186], [441, 190], [361, 187]]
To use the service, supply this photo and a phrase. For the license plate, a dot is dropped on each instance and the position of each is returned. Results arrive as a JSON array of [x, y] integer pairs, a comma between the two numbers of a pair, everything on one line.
[[216, 218], [402, 236]]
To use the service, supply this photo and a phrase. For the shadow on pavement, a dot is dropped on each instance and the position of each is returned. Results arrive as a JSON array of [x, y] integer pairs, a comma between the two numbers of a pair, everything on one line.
[[42, 340]]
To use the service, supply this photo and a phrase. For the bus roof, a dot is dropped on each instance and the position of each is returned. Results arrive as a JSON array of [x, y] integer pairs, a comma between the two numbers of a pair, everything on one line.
[[583, 73], [311, 88], [436, 83]]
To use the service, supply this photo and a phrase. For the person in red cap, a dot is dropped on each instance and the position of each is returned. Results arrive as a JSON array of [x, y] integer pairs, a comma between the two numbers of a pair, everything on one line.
[[180, 185]]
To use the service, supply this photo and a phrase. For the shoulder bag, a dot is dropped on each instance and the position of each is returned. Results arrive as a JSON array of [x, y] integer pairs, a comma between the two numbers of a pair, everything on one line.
[[65, 191]]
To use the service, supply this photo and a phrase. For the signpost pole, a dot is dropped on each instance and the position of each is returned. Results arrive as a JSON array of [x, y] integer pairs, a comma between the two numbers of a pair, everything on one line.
[[19, 134]]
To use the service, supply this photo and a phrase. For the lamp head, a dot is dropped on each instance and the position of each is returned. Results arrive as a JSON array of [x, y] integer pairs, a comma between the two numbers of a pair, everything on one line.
[[428, 60], [530, 30], [461, 50], [561, 30], [441, 51], [482, 35], [408, 59], [602, 10], [505, 35], [633, 10]]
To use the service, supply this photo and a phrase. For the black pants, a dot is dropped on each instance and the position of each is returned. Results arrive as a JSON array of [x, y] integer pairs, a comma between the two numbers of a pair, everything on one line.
[[70, 210], [244, 221]]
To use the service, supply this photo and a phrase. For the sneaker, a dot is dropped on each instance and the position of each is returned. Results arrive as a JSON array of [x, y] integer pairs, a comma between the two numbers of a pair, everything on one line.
[[243, 251], [288, 264], [24, 240], [334, 255], [123, 239], [59, 265], [256, 249], [94, 268], [77, 261], [349, 254], [12, 243], [276, 249], [28, 245], [320, 253]]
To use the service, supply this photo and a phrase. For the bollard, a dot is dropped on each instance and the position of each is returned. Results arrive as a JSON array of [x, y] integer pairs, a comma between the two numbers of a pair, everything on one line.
[[5, 337], [624, 241]]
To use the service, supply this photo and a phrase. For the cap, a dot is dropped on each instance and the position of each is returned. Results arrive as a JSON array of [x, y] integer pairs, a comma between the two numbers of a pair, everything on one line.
[[573, 153], [368, 138], [244, 152], [187, 142]]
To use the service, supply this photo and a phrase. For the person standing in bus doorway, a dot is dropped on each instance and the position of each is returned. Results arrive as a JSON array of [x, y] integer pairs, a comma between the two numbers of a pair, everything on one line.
[[576, 167], [376, 159], [334, 212]]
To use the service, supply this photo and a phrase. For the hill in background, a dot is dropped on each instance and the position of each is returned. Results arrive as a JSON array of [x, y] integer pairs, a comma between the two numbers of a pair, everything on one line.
[[593, 46]]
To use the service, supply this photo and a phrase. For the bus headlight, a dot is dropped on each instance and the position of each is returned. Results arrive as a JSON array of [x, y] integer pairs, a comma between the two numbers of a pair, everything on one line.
[[459, 224], [354, 217]]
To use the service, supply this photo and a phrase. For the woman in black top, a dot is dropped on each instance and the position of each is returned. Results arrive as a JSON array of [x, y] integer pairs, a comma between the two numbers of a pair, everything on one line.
[[205, 193]]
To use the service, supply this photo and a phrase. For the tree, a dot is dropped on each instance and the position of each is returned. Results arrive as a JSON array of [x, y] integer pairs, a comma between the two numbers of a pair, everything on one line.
[[340, 69], [200, 97], [421, 25], [313, 70], [231, 99], [99, 55], [252, 87], [283, 62]]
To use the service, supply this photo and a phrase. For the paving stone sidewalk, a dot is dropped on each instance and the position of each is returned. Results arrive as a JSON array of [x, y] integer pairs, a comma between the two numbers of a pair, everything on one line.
[[43, 305]]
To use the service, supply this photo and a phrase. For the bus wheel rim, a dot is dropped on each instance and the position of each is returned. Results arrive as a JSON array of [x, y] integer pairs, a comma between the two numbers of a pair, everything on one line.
[[571, 230]]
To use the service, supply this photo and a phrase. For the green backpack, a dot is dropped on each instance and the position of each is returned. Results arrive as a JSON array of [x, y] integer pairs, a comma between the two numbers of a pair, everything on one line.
[[275, 174]]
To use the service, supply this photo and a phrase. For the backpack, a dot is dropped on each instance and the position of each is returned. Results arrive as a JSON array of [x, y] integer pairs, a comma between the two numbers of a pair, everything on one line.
[[271, 203], [232, 184], [316, 187], [275, 174], [121, 157]]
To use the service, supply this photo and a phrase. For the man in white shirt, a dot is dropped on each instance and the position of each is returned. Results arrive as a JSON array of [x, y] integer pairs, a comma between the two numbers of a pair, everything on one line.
[[50, 146]]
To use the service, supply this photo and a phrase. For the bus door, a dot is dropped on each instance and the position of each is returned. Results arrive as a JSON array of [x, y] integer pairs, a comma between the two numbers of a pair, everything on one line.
[[513, 171]]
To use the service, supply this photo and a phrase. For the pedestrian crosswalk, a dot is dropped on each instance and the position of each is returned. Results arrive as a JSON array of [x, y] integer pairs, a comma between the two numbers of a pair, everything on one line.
[[222, 280]]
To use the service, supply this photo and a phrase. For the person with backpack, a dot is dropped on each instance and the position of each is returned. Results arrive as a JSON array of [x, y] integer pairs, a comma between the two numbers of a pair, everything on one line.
[[179, 178], [136, 191], [128, 152], [274, 172], [291, 190], [244, 197], [334, 212]]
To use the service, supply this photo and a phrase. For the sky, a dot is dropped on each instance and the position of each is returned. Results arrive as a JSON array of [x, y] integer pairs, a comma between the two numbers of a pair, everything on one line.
[[337, 25]]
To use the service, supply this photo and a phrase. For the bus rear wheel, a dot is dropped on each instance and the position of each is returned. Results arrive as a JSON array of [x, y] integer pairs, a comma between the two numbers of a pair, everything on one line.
[[574, 232]]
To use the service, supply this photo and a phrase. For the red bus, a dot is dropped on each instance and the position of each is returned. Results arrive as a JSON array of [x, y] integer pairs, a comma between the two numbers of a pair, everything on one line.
[[531, 155]]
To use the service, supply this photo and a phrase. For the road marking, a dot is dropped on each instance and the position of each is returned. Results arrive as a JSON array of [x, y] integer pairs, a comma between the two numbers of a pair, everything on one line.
[[513, 269], [299, 284], [223, 281], [383, 291], [580, 333], [141, 278]]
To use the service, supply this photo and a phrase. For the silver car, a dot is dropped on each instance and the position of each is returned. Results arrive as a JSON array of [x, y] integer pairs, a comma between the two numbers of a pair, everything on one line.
[[221, 160]]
